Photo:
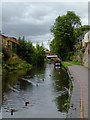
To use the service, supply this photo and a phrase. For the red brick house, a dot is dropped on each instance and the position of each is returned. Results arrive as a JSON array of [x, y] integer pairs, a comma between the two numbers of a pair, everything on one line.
[[9, 42]]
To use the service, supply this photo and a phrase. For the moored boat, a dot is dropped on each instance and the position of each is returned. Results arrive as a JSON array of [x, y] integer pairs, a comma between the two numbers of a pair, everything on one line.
[[57, 62]]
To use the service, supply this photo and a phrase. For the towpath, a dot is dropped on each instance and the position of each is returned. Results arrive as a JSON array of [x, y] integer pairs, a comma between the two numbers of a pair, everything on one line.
[[79, 99], [0, 90]]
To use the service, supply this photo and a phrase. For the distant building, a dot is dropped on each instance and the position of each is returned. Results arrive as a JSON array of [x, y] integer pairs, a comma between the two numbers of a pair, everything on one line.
[[47, 52], [51, 56]]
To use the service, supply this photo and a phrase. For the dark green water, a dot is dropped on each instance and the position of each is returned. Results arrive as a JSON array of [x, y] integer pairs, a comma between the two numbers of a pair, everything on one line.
[[44, 87]]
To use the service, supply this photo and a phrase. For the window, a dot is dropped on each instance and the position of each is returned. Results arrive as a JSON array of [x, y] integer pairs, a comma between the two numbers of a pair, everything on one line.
[[88, 36]]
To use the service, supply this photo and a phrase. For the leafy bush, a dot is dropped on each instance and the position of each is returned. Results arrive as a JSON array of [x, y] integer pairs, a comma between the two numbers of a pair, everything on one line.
[[6, 53]]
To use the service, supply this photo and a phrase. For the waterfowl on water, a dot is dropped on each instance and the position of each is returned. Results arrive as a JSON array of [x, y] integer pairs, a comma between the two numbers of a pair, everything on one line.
[[12, 110], [37, 84], [72, 105], [26, 103]]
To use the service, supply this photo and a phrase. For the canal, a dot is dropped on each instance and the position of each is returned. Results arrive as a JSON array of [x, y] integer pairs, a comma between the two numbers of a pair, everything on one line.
[[45, 88]]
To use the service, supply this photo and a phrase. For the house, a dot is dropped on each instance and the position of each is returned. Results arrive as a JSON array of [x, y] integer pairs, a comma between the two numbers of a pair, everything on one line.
[[86, 45], [9, 42], [12, 42], [86, 39], [82, 37]]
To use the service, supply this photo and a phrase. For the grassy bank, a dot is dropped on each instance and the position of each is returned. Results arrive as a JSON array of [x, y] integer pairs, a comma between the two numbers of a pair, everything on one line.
[[69, 63], [75, 62], [67, 102], [15, 63], [66, 64]]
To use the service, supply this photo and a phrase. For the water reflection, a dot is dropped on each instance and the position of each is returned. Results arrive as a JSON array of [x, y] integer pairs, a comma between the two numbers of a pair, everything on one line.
[[44, 87], [11, 78], [61, 88]]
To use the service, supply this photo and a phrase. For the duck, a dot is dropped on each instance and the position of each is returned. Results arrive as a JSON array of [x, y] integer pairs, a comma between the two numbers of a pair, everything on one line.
[[12, 110], [37, 84], [26, 103]]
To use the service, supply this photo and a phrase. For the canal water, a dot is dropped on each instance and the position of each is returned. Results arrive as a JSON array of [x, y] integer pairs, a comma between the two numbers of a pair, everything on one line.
[[45, 88]]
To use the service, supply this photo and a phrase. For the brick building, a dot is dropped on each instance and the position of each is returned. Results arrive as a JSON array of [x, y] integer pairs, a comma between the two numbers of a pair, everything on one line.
[[9, 42]]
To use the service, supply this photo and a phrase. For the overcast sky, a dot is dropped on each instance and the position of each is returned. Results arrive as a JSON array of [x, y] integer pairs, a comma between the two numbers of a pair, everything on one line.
[[34, 20]]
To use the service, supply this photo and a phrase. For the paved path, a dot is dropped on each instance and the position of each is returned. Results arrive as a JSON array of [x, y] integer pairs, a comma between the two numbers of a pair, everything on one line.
[[80, 92], [0, 91]]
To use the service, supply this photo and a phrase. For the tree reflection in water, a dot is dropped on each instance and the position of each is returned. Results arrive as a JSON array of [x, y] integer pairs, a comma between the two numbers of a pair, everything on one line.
[[61, 83]]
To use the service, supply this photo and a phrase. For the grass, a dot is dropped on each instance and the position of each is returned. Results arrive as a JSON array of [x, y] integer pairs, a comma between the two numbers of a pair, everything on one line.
[[75, 62], [66, 64], [67, 102], [14, 63], [83, 111]]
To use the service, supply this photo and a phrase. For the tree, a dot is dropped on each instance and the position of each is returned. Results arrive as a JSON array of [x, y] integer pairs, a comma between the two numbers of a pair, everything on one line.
[[81, 29], [40, 54], [65, 34], [28, 52], [74, 19], [21, 47]]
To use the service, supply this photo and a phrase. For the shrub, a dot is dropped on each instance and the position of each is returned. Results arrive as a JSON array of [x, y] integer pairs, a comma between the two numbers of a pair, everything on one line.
[[6, 53]]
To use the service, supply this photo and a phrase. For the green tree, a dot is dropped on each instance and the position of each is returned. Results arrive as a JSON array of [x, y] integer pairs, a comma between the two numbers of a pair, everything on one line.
[[21, 47], [28, 52], [65, 37], [81, 29], [25, 50], [40, 54]]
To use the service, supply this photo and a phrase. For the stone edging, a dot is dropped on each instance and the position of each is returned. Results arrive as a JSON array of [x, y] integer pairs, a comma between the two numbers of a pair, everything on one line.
[[74, 110]]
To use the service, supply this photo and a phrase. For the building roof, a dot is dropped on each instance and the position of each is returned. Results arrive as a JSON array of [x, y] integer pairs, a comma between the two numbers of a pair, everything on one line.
[[4, 36], [12, 39]]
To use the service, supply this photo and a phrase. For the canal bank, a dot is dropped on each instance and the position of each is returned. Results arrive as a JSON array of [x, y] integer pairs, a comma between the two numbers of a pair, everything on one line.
[[79, 98]]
